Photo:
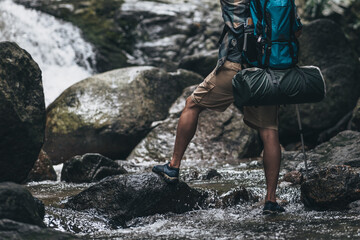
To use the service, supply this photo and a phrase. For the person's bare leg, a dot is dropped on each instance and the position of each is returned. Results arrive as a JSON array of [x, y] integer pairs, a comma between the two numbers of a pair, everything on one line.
[[185, 130], [271, 160]]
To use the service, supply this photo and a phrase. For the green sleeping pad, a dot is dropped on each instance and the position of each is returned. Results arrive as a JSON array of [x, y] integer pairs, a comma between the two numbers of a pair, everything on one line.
[[256, 86]]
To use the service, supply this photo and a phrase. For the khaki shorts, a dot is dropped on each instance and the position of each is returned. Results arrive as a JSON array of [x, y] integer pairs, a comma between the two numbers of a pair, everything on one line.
[[216, 93]]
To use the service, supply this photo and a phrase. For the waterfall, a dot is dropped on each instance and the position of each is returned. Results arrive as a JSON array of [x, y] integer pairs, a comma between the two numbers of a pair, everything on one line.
[[57, 46]]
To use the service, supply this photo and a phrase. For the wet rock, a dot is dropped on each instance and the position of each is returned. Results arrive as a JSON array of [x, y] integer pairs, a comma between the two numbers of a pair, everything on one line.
[[111, 112], [42, 169], [17, 203], [323, 44], [13, 230], [343, 149], [212, 174], [128, 196], [294, 177], [331, 188], [202, 64], [168, 31], [219, 137], [236, 196], [22, 112], [355, 121], [90, 167], [190, 175]]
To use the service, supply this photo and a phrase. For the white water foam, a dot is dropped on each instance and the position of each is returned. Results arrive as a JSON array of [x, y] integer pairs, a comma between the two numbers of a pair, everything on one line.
[[62, 54]]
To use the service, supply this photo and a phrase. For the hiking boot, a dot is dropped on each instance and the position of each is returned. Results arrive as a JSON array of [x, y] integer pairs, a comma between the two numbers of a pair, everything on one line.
[[171, 175], [272, 208]]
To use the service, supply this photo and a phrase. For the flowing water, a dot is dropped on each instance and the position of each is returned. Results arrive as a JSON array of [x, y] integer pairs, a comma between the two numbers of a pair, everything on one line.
[[62, 54], [66, 58], [243, 221]]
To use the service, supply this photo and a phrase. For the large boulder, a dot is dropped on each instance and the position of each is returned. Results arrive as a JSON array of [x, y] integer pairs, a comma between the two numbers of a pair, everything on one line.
[[13, 230], [331, 188], [42, 170], [17, 203], [220, 137], [22, 112], [323, 44], [127, 196], [111, 112], [90, 167], [343, 149]]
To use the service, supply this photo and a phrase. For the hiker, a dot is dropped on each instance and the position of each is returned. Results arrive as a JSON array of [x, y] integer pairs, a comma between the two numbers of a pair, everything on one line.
[[216, 93]]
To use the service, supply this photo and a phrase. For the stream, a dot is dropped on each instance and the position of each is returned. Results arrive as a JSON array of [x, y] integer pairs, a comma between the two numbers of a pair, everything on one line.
[[243, 221]]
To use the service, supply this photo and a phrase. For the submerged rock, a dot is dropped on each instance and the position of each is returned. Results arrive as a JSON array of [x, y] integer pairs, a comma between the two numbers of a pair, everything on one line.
[[17, 203], [211, 174], [219, 137], [127, 196], [323, 44], [236, 196], [90, 167], [331, 188], [22, 112], [42, 170], [13, 230], [111, 112]]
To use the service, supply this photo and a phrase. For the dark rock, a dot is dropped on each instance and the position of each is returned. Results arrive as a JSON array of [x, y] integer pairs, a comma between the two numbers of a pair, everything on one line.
[[323, 44], [355, 121], [202, 64], [42, 170], [13, 230], [111, 112], [128, 196], [17, 203], [236, 196], [22, 112], [90, 167], [295, 177], [212, 174], [343, 149], [219, 137], [331, 188]]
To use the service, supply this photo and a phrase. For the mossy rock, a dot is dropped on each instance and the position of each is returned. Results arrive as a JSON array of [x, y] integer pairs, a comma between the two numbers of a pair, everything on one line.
[[111, 112]]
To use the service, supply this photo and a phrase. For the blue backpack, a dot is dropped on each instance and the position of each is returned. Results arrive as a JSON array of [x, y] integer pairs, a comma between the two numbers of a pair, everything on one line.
[[270, 41]]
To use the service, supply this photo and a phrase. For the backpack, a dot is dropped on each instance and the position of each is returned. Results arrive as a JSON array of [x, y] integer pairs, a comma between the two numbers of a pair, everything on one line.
[[270, 41]]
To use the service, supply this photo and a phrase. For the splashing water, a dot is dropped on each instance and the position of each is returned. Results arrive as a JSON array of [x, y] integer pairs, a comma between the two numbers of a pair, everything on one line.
[[62, 54]]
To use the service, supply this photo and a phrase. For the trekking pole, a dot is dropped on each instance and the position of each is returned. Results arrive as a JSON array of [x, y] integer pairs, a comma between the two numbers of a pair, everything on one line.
[[302, 139]]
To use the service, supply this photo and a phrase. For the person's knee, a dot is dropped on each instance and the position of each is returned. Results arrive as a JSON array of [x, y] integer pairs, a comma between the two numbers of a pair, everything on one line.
[[191, 105], [268, 134]]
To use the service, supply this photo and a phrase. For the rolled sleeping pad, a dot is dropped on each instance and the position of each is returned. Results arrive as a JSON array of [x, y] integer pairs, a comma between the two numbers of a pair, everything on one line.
[[256, 86]]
